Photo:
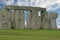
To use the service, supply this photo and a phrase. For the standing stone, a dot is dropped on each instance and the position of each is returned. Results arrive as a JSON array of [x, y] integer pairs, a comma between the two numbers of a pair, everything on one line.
[[17, 20], [34, 23], [5, 19], [9, 21], [42, 17], [38, 20], [0, 19], [22, 25], [13, 19], [45, 20], [9, 18], [53, 17], [29, 17]]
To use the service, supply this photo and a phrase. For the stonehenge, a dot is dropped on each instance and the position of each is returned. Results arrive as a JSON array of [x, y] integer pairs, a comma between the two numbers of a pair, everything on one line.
[[14, 19]]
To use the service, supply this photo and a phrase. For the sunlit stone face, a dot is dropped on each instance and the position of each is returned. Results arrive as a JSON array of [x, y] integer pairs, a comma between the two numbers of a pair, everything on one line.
[[54, 15]]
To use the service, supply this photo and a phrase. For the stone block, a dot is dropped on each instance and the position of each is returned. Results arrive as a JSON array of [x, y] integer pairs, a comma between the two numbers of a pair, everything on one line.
[[5, 19], [53, 17], [28, 21]]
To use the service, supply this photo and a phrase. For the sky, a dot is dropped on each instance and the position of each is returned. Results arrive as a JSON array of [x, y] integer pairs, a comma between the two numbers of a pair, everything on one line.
[[50, 5]]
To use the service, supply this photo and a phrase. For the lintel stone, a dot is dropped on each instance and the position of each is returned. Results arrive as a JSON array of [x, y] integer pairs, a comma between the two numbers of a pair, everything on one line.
[[25, 8]]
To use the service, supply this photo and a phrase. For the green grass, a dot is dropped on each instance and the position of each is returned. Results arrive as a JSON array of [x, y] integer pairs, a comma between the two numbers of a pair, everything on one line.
[[29, 34]]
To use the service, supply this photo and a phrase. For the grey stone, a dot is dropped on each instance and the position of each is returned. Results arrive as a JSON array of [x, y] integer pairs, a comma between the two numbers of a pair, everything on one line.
[[25, 8], [15, 19], [28, 21], [12, 19], [22, 26], [5, 19], [34, 23], [53, 17], [45, 20], [0, 20], [39, 22]]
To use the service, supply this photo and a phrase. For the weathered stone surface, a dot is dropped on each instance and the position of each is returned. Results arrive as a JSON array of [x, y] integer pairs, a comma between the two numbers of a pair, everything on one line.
[[5, 19], [33, 20], [34, 23], [17, 20], [28, 21], [42, 17], [39, 22], [53, 17], [13, 24], [22, 26], [25, 8], [0, 20], [45, 20]]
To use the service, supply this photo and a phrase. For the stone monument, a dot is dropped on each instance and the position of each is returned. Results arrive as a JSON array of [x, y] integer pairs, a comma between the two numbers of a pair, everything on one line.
[[15, 18], [53, 16]]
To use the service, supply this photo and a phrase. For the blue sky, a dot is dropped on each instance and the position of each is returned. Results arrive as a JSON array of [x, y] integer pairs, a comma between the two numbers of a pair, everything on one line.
[[50, 5]]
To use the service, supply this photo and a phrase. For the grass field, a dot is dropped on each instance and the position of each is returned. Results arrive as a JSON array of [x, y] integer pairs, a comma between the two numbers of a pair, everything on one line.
[[29, 34]]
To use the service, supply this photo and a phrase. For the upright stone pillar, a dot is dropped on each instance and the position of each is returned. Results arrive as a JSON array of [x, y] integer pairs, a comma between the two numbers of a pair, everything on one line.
[[1, 19], [42, 17], [29, 17], [45, 20], [9, 19], [53, 17], [22, 25], [5, 19], [13, 19], [17, 20], [38, 20], [34, 23]]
